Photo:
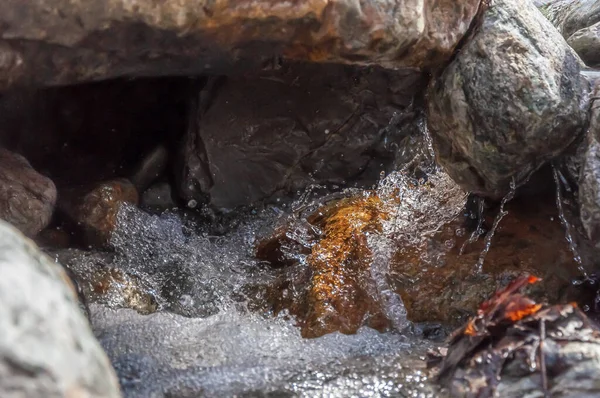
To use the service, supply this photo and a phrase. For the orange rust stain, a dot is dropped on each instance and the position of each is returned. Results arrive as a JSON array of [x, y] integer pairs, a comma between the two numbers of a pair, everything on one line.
[[523, 312]]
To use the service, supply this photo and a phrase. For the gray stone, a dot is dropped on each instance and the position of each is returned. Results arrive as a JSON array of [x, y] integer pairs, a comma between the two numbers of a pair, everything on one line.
[[47, 348], [578, 21], [586, 42], [510, 101], [569, 16], [589, 179], [27, 198]]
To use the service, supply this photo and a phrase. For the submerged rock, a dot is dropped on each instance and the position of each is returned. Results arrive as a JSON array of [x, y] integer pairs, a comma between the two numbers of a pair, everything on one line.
[[47, 348], [412, 252], [94, 210], [98, 39], [510, 101], [27, 198]]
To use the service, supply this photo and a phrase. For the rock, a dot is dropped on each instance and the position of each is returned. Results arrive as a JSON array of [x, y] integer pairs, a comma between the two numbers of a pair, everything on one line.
[[589, 178], [569, 16], [27, 198], [47, 348], [425, 251], [510, 101], [515, 347], [586, 42], [90, 40], [578, 22], [94, 210], [327, 126]]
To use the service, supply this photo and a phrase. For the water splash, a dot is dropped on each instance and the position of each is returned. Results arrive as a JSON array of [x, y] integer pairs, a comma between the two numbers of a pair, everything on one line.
[[565, 223], [490, 235]]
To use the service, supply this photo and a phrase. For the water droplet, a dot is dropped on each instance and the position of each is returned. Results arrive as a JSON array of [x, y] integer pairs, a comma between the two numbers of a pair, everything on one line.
[[192, 204]]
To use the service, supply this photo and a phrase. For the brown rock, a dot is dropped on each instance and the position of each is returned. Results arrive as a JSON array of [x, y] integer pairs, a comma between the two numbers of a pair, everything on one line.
[[282, 130], [94, 210], [61, 42], [27, 198]]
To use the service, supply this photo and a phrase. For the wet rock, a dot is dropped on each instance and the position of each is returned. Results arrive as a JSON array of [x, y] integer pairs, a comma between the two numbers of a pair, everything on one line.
[[589, 178], [516, 347], [27, 198], [327, 126], [510, 101], [95, 209], [420, 251], [47, 347], [334, 263], [102, 283], [90, 40]]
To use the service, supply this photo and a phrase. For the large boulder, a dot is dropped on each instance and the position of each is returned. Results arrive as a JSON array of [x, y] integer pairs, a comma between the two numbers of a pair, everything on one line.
[[66, 41], [47, 348], [510, 101], [27, 198]]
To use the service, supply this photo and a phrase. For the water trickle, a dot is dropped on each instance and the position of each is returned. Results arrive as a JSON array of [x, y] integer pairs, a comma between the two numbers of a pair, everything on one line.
[[490, 235], [565, 223], [479, 229]]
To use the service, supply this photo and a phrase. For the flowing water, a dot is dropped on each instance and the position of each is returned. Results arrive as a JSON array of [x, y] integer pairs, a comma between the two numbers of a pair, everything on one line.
[[179, 301], [207, 338]]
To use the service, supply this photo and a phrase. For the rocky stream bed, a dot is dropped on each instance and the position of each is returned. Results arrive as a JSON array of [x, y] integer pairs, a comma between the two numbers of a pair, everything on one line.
[[375, 198]]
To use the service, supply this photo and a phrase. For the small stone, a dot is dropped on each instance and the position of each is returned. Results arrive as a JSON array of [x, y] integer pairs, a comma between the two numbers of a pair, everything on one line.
[[47, 348], [95, 209], [27, 198]]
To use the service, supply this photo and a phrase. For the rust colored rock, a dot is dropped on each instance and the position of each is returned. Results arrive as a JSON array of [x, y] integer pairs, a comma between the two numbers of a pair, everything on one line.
[[27, 198], [328, 277], [53, 42], [512, 100], [95, 209]]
